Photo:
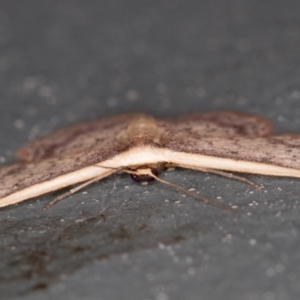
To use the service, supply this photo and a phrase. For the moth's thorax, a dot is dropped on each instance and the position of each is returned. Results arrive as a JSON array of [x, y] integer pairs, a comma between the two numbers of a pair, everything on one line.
[[142, 129]]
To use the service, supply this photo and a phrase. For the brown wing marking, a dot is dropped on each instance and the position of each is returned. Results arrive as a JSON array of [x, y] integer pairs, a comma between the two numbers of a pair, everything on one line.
[[79, 138]]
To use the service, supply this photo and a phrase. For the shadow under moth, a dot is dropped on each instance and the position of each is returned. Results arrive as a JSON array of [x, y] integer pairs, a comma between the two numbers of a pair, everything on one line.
[[142, 146]]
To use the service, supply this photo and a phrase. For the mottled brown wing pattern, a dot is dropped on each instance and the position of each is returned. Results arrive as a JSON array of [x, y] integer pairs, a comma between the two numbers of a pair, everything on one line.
[[216, 124], [104, 134], [64, 151], [18, 176], [231, 135]]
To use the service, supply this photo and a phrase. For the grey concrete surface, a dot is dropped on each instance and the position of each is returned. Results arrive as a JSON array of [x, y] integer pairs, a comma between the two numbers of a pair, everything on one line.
[[64, 61]]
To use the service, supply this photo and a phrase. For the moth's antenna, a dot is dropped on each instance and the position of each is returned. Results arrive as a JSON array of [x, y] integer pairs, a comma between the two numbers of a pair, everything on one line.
[[72, 191], [110, 168], [79, 187], [178, 187]]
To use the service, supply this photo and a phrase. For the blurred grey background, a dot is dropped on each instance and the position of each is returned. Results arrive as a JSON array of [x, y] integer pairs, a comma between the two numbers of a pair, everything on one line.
[[64, 61]]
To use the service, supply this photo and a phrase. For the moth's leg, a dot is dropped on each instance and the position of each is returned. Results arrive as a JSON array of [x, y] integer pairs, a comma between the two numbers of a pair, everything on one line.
[[239, 178], [149, 172], [72, 191], [225, 174]]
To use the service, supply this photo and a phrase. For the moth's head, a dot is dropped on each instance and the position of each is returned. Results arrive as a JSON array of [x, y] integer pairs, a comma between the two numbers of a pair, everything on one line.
[[143, 176]]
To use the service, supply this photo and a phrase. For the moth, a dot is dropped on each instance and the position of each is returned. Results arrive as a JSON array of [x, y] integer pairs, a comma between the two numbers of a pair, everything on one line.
[[143, 146]]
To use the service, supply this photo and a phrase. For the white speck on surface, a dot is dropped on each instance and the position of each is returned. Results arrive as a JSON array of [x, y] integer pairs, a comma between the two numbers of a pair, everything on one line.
[[34, 132], [46, 91], [30, 83], [296, 94], [124, 257], [132, 95], [19, 124], [252, 242], [241, 100], [227, 238], [280, 118], [161, 246], [189, 260], [161, 296], [270, 272], [200, 92], [191, 271], [79, 221]]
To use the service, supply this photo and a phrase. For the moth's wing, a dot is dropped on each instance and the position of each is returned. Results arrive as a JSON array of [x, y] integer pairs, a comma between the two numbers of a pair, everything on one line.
[[217, 123], [229, 135], [66, 151], [19, 176], [79, 138], [24, 181], [280, 150]]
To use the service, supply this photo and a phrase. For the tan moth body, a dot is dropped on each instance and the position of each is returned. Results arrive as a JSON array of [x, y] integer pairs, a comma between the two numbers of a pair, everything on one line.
[[137, 143]]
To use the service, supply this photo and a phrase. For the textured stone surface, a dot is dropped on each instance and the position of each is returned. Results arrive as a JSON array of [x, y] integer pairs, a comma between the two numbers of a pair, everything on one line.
[[67, 61]]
